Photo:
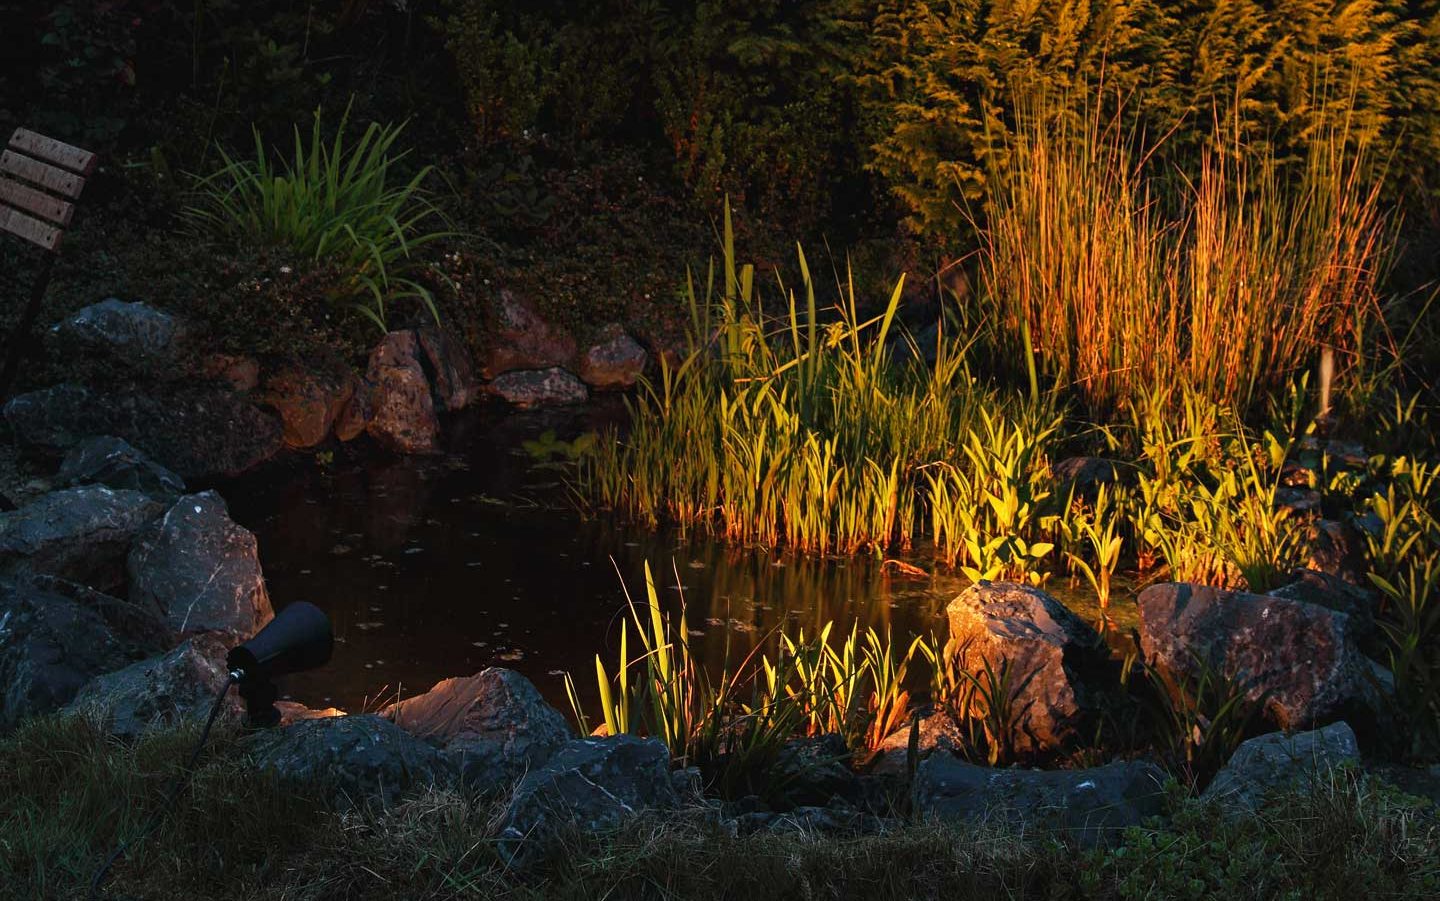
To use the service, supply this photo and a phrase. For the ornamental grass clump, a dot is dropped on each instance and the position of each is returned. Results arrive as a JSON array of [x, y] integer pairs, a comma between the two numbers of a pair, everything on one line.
[[336, 203]]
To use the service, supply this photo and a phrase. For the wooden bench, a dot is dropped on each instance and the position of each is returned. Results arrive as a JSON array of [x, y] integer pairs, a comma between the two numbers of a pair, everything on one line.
[[40, 180]]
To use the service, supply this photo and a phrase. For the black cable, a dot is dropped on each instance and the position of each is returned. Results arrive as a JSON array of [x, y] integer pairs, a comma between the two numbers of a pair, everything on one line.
[[181, 780]]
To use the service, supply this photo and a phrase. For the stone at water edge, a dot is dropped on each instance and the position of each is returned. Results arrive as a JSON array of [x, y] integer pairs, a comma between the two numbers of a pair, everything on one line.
[[614, 362], [1090, 805], [939, 730], [1300, 657], [1277, 761], [1050, 654], [520, 338], [110, 461], [403, 413], [81, 534], [201, 569], [449, 361], [307, 402], [131, 332], [1085, 475], [494, 726], [589, 784], [362, 759], [50, 646], [166, 690], [546, 387]]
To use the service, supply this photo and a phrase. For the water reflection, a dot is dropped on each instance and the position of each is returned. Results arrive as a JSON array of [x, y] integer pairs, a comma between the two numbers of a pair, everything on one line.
[[439, 567]]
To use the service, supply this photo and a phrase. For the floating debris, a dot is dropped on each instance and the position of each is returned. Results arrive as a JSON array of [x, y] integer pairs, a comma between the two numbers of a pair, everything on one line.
[[340, 550], [366, 627]]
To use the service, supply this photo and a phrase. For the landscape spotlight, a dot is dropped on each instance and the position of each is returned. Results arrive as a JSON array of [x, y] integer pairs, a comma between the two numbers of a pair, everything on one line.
[[297, 639]]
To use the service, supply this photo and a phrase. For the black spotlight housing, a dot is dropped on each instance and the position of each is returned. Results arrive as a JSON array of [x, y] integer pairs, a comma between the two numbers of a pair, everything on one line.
[[297, 639]]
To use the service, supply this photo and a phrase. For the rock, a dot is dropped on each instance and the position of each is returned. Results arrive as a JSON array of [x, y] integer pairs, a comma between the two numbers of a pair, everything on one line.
[[295, 712], [110, 461], [201, 570], [589, 784], [539, 388], [307, 402], [355, 415], [132, 333], [493, 725], [453, 375], [1050, 655], [1085, 475], [522, 339], [81, 534], [50, 646], [356, 760], [1333, 592], [1300, 657], [180, 685], [1334, 549], [814, 821], [140, 627], [1299, 501], [196, 431], [811, 771], [403, 417], [1090, 805], [1277, 761], [938, 731], [614, 362], [240, 374]]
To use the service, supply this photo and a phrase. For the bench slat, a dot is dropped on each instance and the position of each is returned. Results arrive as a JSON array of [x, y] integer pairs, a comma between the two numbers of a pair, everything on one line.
[[30, 228], [42, 174], [52, 151], [29, 200]]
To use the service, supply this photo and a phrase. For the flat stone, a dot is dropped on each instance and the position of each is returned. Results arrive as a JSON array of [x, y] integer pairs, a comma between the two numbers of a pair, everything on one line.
[[1274, 762], [539, 388], [494, 726]]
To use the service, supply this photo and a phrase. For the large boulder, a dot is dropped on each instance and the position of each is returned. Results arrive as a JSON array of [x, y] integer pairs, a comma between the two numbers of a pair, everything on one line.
[[614, 362], [539, 388], [453, 375], [179, 685], [937, 730], [1050, 657], [81, 534], [1300, 658], [198, 431], [107, 460], [131, 333], [201, 569], [493, 725], [354, 760], [50, 646], [402, 412], [307, 402], [1090, 805], [1327, 590], [589, 784], [1085, 475], [520, 338], [1277, 761]]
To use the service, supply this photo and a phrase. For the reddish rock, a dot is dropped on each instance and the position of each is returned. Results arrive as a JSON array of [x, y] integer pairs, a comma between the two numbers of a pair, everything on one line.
[[1300, 658], [520, 338], [1048, 652], [450, 367], [239, 373], [307, 402], [404, 414], [614, 362], [355, 415], [543, 388]]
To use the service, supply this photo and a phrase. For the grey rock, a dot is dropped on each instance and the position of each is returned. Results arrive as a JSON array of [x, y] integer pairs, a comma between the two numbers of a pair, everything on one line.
[[196, 431], [1085, 475], [494, 726], [1300, 658], [133, 333], [402, 412], [589, 784], [201, 569], [355, 760], [452, 372], [1090, 805], [539, 388], [177, 686], [107, 460], [812, 771], [814, 821], [614, 362], [1277, 761], [1050, 655], [50, 646], [81, 534]]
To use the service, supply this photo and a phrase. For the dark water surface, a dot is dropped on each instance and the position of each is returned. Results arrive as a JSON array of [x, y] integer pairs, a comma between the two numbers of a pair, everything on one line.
[[439, 567]]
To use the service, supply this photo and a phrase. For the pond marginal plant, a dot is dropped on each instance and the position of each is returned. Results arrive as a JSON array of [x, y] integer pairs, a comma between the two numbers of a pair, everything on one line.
[[335, 203]]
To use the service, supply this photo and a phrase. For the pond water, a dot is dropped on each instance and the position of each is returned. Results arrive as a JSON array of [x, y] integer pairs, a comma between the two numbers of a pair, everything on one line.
[[441, 566]]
